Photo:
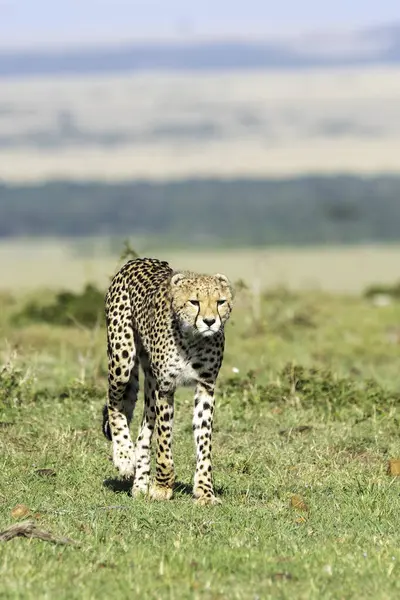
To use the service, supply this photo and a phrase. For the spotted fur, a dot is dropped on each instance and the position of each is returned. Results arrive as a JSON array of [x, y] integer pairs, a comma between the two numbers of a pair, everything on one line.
[[172, 324]]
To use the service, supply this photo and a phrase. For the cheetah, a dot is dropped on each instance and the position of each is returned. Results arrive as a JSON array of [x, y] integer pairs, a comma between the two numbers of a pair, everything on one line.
[[172, 324]]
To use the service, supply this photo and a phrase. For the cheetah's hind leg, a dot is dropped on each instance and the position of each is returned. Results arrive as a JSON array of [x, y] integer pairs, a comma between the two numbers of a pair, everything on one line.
[[116, 421], [123, 385], [129, 403]]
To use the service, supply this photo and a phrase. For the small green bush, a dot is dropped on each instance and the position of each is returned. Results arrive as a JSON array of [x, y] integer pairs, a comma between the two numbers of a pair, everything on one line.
[[393, 291], [68, 308], [15, 385], [312, 388]]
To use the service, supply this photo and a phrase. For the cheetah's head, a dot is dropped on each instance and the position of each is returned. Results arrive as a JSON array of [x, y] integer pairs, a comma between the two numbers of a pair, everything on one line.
[[202, 303]]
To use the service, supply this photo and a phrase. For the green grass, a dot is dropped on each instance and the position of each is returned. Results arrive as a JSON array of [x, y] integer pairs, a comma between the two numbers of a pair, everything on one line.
[[346, 544]]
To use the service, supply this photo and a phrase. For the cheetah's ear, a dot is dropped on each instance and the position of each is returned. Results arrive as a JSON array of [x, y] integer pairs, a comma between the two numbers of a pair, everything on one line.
[[223, 278], [177, 278]]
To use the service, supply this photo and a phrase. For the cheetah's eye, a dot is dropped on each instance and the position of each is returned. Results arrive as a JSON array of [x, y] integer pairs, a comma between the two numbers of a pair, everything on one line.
[[221, 302], [194, 302]]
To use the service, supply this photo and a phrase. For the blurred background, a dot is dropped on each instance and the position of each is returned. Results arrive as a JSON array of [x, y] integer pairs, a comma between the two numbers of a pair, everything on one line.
[[257, 138]]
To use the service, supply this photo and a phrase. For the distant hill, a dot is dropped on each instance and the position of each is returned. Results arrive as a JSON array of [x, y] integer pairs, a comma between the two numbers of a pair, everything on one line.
[[379, 45]]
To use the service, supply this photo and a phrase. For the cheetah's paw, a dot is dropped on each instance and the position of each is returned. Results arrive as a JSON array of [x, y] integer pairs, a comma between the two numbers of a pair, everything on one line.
[[207, 501], [139, 492], [124, 461], [158, 492]]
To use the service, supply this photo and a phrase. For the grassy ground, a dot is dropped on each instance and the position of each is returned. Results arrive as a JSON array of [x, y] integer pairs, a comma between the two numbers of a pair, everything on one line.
[[300, 459]]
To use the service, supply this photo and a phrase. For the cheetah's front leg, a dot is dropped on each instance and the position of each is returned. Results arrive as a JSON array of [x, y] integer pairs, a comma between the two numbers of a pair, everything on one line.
[[203, 489]]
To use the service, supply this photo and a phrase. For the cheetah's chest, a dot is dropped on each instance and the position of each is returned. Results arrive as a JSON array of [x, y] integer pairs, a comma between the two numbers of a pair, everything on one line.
[[179, 371], [185, 363], [185, 374]]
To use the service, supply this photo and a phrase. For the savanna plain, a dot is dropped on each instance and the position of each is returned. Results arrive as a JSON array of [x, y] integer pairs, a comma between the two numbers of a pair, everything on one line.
[[307, 421], [167, 126]]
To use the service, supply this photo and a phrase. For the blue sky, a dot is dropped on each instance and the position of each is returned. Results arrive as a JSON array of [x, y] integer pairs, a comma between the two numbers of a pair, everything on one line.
[[48, 21]]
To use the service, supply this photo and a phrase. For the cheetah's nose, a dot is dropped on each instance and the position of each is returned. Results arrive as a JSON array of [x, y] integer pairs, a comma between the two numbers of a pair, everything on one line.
[[209, 321]]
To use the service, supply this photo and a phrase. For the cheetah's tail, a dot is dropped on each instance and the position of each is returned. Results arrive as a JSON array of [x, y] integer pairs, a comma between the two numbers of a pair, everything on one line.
[[106, 424]]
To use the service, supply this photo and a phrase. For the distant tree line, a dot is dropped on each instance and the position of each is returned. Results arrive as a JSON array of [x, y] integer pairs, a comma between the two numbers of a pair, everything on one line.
[[242, 212]]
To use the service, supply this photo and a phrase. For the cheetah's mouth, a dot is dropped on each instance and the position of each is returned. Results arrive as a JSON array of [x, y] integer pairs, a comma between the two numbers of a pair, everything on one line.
[[200, 328], [206, 330]]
